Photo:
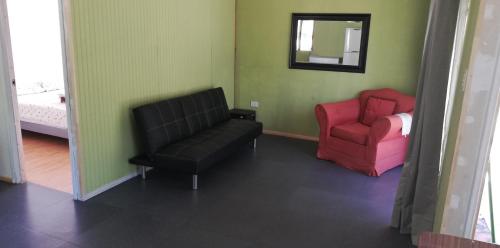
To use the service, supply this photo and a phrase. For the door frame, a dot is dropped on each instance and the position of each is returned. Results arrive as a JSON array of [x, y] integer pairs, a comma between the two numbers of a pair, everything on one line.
[[15, 144], [470, 161], [68, 55]]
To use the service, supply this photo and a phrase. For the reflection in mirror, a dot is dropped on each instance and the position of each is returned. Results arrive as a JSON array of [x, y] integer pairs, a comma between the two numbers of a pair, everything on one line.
[[328, 42]]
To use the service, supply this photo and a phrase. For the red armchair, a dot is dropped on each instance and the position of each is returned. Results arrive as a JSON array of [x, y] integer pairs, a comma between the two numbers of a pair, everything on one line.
[[371, 147]]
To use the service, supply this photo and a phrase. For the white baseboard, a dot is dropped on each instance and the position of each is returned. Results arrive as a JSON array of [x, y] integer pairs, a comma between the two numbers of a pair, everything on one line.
[[109, 186], [291, 135]]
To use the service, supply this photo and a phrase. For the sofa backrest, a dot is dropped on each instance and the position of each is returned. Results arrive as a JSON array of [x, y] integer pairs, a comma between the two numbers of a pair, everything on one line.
[[205, 109], [162, 123], [404, 103]]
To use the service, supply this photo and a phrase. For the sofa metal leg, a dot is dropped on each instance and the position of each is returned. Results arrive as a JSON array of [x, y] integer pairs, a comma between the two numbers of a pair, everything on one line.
[[143, 172], [254, 144], [195, 182]]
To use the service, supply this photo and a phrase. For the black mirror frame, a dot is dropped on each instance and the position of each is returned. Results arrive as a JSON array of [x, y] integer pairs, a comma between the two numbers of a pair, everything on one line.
[[364, 18]]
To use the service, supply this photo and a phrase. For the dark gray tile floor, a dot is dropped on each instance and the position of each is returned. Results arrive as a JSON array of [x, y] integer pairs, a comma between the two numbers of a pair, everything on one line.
[[278, 196]]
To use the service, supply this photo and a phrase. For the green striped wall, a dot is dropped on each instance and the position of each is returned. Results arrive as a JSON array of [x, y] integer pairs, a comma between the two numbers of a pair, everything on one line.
[[130, 52]]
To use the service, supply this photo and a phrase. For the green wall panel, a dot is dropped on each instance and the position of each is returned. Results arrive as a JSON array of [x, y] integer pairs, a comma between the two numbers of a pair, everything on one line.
[[287, 97], [130, 52]]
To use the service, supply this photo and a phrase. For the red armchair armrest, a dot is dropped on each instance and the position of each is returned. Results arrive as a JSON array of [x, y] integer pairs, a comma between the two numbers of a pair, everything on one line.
[[338, 113], [386, 128]]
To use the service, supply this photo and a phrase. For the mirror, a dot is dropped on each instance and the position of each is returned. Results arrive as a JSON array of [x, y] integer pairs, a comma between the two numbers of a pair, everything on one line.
[[330, 42]]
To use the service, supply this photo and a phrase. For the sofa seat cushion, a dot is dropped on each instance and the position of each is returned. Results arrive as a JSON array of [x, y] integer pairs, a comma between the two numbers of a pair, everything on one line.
[[200, 151], [356, 132]]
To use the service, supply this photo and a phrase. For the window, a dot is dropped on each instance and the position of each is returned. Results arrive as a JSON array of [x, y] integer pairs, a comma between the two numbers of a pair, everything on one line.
[[305, 37]]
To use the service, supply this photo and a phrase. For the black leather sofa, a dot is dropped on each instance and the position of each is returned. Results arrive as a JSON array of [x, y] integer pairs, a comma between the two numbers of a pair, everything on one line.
[[190, 133]]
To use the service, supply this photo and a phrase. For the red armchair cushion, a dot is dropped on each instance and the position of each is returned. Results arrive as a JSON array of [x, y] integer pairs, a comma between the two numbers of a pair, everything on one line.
[[377, 107], [356, 132], [404, 103]]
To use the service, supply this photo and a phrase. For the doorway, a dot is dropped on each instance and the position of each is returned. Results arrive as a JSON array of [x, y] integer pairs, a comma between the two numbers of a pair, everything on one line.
[[38, 62], [38, 53]]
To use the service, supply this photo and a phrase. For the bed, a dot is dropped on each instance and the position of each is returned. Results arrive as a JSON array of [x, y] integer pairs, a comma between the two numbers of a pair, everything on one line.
[[43, 112]]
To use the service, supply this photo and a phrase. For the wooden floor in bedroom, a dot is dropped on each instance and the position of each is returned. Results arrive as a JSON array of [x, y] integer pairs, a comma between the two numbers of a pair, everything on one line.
[[47, 161]]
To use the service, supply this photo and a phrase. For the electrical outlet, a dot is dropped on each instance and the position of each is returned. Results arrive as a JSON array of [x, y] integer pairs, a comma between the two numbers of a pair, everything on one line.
[[254, 104]]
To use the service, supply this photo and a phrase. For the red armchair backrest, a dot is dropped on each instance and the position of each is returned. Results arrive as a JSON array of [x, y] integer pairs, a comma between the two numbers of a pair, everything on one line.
[[404, 103]]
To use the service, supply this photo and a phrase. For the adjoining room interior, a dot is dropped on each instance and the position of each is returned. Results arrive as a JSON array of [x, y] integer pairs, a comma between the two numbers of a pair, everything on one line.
[[252, 123], [35, 32]]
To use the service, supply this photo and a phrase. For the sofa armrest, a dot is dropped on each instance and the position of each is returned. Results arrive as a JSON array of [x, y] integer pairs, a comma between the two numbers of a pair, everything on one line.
[[334, 114], [386, 128]]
